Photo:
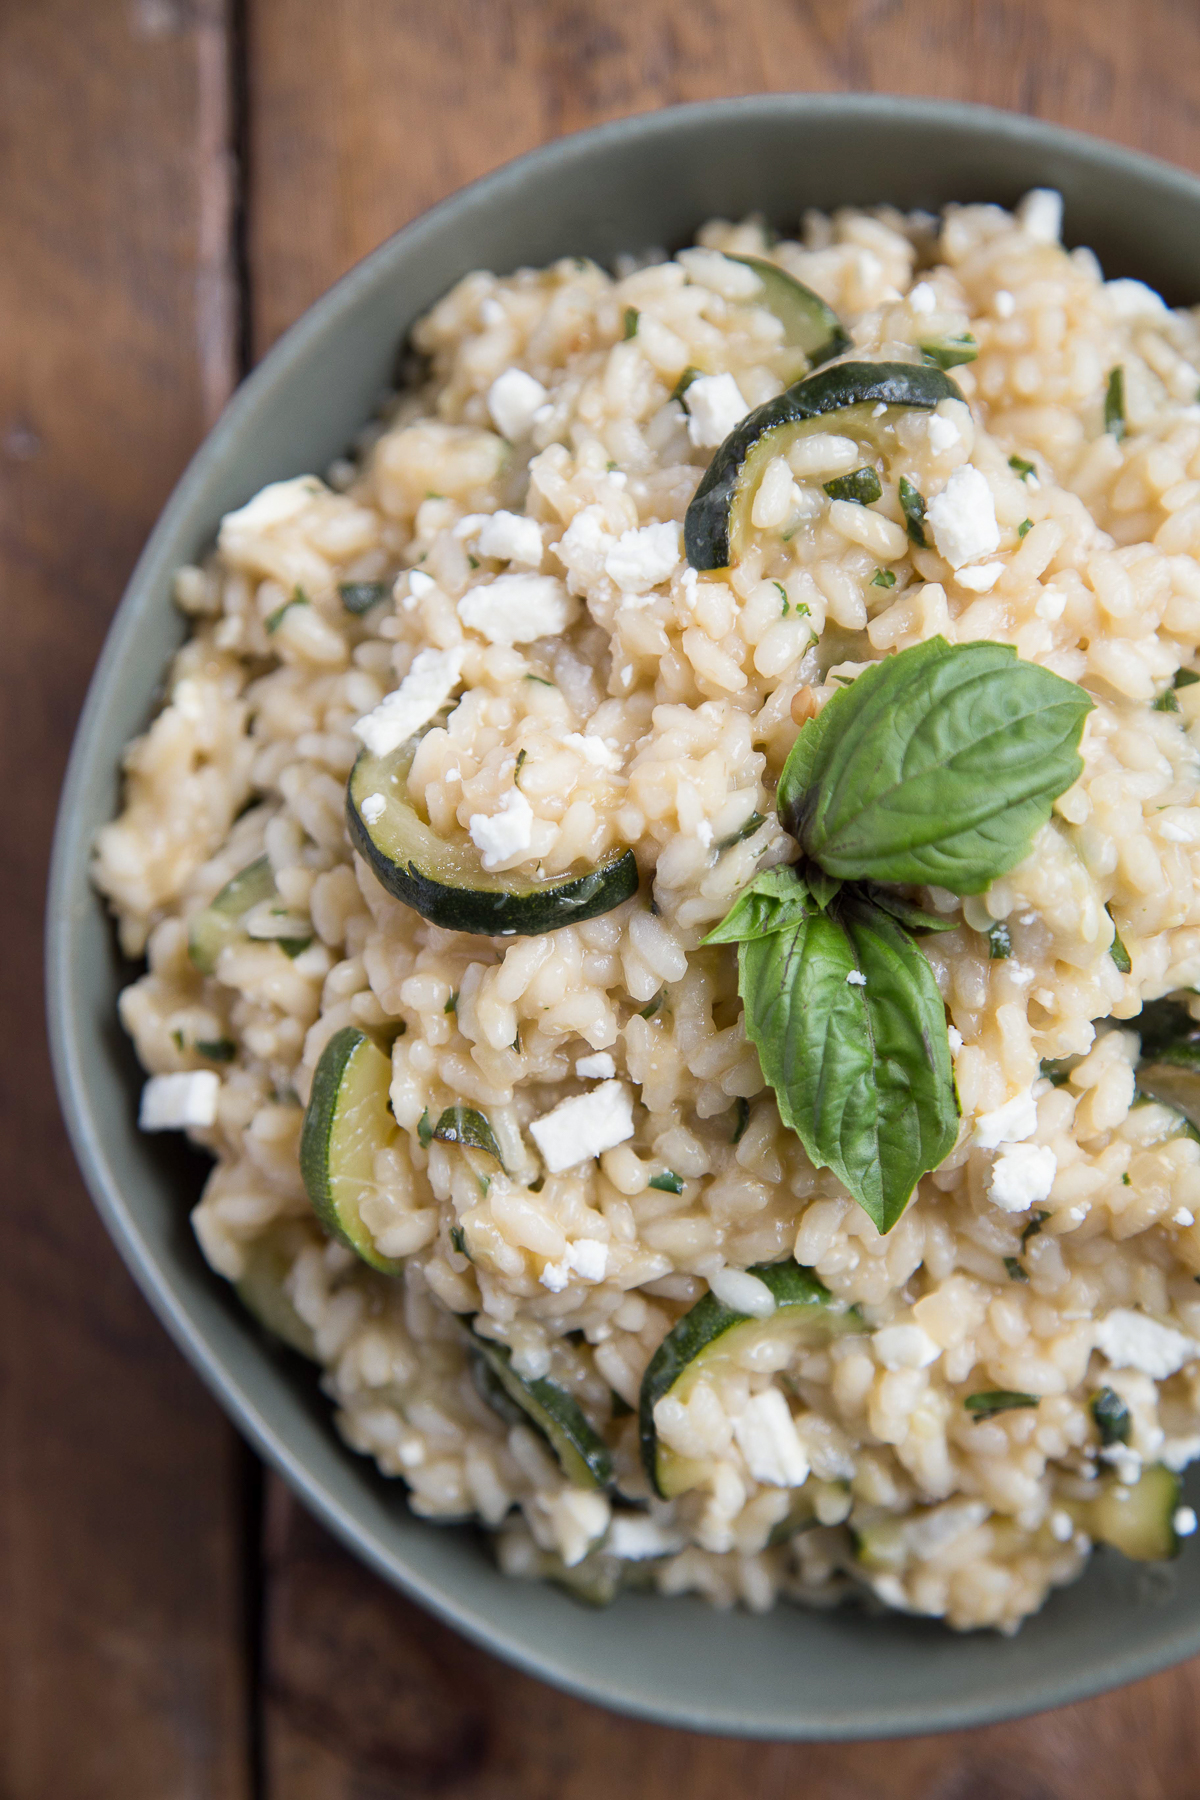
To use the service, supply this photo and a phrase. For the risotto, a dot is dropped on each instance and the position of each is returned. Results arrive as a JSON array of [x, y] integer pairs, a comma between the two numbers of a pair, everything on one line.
[[687, 1144]]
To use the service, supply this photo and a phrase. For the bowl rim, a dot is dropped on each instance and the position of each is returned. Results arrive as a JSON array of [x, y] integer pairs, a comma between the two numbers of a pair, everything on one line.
[[71, 850]]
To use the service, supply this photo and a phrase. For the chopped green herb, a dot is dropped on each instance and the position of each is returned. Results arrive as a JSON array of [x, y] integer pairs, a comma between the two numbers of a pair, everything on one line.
[[648, 1012], [741, 834], [459, 1241], [275, 620], [1185, 678], [884, 578], [1034, 1226], [451, 1005], [1024, 528], [177, 1039], [1166, 701], [474, 561], [861, 485], [1111, 1414], [999, 941], [1117, 950], [1057, 1069], [668, 1183], [293, 947], [912, 505], [782, 596], [685, 381], [742, 1110], [361, 596], [540, 679], [521, 755], [843, 680], [1125, 1182], [631, 321], [1114, 403], [430, 495], [610, 466], [463, 1125], [1015, 1271], [216, 1049], [997, 1400], [949, 353], [1020, 467], [425, 1129]]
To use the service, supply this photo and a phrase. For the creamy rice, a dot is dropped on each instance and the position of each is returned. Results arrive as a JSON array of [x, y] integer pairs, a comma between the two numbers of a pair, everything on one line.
[[654, 709]]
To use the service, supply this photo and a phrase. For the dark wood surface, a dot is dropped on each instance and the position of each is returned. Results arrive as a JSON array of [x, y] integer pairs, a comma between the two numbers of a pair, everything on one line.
[[178, 179]]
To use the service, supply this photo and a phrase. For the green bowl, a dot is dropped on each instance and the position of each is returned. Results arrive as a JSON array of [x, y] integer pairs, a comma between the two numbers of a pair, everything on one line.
[[643, 181]]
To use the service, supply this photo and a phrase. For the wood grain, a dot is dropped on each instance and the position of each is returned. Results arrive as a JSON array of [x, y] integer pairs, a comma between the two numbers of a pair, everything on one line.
[[121, 1665]]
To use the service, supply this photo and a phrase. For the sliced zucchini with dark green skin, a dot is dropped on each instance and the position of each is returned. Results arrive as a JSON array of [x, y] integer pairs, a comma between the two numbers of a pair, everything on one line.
[[220, 923], [447, 882], [809, 325], [710, 1337], [843, 399], [260, 1287], [1139, 1521], [347, 1121], [584, 1457]]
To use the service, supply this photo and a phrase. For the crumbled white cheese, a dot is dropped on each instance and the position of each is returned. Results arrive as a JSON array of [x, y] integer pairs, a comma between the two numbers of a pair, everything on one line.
[[634, 1537], [1022, 1176], [593, 750], [373, 808], [1184, 1521], [588, 1257], [516, 609], [579, 1519], [1134, 300], [703, 833], [1130, 1340], [513, 399], [1051, 604], [556, 1276], [505, 833], [943, 433], [419, 583], [175, 1102], [427, 686], [963, 518], [640, 559], [1125, 1463], [742, 1292], [856, 978], [582, 1128], [599, 1067], [714, 406], [1011, 1123], [767, 1438], [1183, 1217], [508, 536], [1062, 1526], [922, 298], [955, 1039], [1040, 215], [1003, 304], [278, 501], [981, 578], [905, 1347]]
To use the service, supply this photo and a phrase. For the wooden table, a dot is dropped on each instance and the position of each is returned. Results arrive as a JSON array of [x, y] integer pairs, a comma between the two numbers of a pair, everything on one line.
[[179, 179]]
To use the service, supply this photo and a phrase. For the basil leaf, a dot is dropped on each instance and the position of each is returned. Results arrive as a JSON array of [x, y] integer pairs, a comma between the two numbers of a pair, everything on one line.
[[915, 917], [1114, 403], [851, 1034], [997, 1400], [774, 900], [463, 1125], [937, 765]]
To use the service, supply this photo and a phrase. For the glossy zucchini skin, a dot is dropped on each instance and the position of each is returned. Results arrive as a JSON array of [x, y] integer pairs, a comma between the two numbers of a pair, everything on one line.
[[346, 1121], [803, 1306], [716, 522], [447, 883], [1139, 1521], [583, 1455], [810, 326], [218, 924]]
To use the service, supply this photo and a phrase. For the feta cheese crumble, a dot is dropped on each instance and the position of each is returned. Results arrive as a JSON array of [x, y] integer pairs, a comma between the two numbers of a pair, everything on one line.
[[1130, 1340], [584, 1127], [1022, 1176], [504, 834], [272, 505], [856, 978], [714, 406], [963, 518], [922, 298], [424, 690], [175, 1102], [586, 1257], [641, 558], [1008, 1124], [1003, 304], [943, 433], [980, 579], [508, 536], [767, 1437], [512, 401], [599, 1067], [593, 750], [516, 609], [1184, 1521], [905, 1347], [373, 808], [1040, 215]]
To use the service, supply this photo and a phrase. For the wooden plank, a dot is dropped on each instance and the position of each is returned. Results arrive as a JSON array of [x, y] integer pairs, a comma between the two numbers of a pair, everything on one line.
[[122, 1670], [364, 113]]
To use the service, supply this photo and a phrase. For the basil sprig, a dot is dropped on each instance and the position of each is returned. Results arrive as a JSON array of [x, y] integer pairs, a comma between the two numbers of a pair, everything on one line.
[[935, 766]]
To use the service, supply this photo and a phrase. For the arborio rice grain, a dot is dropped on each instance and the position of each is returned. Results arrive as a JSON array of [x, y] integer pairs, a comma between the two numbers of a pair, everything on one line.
[[521, 508]]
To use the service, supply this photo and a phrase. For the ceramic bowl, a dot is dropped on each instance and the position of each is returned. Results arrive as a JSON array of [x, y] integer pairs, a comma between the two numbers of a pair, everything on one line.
[[643, 181]]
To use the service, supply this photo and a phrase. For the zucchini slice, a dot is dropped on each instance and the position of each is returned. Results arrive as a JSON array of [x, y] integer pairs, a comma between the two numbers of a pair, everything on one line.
[[809, 326], [347, 1121], [447, 883], [261, 1290], [221, 922], [584, 1457], [844, 399], [1139, 1521], [712, 1337]]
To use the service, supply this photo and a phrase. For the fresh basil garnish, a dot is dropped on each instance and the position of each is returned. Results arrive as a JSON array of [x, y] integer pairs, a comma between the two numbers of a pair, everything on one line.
[[937, 765]]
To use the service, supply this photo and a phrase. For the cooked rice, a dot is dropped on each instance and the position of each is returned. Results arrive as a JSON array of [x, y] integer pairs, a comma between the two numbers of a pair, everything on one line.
[[689, 683]]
